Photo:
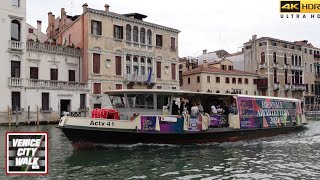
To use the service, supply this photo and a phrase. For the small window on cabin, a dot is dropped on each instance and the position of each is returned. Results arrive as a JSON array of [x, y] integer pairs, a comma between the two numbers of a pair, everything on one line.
[[163, 100]]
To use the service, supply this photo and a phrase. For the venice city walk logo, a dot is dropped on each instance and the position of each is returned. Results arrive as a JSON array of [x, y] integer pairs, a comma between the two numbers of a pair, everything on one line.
[[300, 9], [27, 153]]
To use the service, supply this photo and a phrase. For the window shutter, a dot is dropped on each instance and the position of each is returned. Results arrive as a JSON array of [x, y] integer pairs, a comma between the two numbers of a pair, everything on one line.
[[114, 31], [72, 75], [96, 63], [45, 101], [99, 28], [158, 69], [92, 26], [121, 32], [173, 71], [118, 65]]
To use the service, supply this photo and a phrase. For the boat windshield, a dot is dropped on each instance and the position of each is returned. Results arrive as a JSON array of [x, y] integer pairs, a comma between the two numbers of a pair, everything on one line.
[[118, 101], [141, 101]]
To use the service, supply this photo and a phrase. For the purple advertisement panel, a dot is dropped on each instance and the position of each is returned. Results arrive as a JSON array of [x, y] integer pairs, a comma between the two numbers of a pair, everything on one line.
[[195, 123], [265, 113], [218, 120], [148, 123], [171, 124]]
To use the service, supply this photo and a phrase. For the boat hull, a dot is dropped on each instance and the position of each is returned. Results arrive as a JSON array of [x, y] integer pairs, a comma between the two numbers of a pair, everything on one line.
[[83, 135]]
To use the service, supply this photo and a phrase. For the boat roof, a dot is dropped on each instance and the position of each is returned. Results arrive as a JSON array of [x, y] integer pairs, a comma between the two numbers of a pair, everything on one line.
[[186, 93]]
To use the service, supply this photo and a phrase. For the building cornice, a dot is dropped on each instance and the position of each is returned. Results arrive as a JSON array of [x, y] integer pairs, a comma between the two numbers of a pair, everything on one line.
[[118, 16]]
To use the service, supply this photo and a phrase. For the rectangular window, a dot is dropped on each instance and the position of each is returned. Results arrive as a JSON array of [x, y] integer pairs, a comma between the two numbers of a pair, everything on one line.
[[246, 81], [159, 40], [188, 80], [97, 106], [16, 3], [305, 50], [158, 69], [45, 102], [118, 65], [15, 69], [173, 43], [311, 68], [128, 69], [118, 86], [198, 79], [312, 88], [33, 72], [173, 71], [217, 79], [118, 32], [234, 80], [15, 101], [96, 88], [239, 80], [227, 80], [30, 30], [82, 101], [96, 63], [307, 87], [310, 51], [208, 79], [72, 75], [230, 68], [54, 74], [96, 27]]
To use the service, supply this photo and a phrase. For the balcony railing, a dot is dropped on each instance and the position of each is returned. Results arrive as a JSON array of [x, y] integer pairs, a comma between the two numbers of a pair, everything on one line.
[[48, 48], [47, 84], [275, 65], [276, 86], [15, 45], [140, 78], [262, 66], [15, 82], [287, 87], [298, 87], [297, 68]]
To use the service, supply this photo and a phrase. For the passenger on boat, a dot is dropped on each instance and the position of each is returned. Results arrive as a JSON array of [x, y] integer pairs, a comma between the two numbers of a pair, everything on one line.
[[233, 108], [213, 109], [194, 109], [200, 107], [183, 108], [175, 108]]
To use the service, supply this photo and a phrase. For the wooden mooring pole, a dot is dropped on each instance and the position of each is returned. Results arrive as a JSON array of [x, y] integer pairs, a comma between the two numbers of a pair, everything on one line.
[[17, 116], [9, 116], [28, 115], [37, 116]]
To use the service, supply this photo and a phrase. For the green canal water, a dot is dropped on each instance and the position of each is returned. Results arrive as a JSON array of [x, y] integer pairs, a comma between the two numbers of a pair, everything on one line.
[[292, 156]]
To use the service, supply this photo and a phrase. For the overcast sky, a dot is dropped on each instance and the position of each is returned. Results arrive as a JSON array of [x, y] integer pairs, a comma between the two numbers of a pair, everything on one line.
[[204, 24]]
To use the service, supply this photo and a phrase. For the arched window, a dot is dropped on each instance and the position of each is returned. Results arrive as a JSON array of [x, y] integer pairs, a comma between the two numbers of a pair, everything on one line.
[[285, 59], [299, 60], [149, 37], [142, 35], [292, 60], [15, 30], [274, 57], [263, 58], [135, 34], [296, 60], [128, 32]]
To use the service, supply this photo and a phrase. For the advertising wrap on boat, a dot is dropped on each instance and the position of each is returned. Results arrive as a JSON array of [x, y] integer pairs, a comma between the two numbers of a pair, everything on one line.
[[195, 123], [148, 123], [265, 113], [217, 120], [171, 124]]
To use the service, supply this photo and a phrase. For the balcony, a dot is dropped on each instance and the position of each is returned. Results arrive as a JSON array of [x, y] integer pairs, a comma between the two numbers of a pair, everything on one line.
[[15, 82], [275, 65], [285, 66], [15, 45], [316, 56], [262, 66], [139, 78], [296, 68], [317, 75], [298, 87], [276, 86], [53, 49], [287, 87], [47, 84]]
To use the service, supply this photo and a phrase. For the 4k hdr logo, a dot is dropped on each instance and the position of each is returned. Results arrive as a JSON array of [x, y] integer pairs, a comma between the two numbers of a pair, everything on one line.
[[302, 6]]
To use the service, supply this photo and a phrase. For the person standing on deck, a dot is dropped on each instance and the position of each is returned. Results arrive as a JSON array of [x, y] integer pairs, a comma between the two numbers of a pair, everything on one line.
[[194, 109], [213, 109]]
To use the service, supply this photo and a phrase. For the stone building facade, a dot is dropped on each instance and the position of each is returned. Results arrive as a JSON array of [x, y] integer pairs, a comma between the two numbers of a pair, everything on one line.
[[121, 51], [218, 77]]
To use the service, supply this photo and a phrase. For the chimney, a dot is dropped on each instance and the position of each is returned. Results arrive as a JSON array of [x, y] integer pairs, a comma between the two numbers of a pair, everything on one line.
[[184, 67], [50, 24], [106, 7], [204, 51], [254, 37], [85, 6], [39, 27], [205, 64]]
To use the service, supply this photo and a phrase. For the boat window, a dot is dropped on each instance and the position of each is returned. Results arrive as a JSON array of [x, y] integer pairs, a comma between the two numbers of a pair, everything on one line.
[[141, 101], [163, 100], [117, 101]]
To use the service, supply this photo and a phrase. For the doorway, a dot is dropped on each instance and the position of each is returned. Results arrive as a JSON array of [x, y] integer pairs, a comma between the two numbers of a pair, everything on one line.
[[64, 106]]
